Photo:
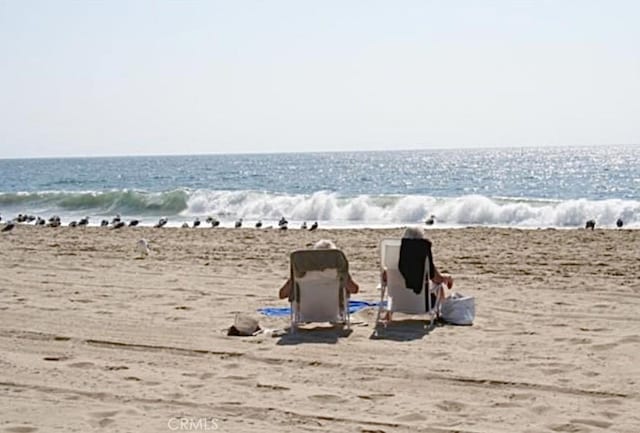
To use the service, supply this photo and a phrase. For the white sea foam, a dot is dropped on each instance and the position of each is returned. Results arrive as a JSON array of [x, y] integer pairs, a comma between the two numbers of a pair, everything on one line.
[[362, 210], [328, 208]]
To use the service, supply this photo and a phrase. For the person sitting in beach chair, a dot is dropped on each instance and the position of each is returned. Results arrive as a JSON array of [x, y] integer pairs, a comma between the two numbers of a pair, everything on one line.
[[319, 286], [409, 277], [324, 244]]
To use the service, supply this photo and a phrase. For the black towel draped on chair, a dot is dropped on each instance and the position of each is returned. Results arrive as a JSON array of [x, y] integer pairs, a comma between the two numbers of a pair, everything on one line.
[[413, 254]]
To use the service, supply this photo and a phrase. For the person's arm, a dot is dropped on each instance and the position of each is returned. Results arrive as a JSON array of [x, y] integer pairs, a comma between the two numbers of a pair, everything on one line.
[[439, 278], [352, 286], [285, 290]]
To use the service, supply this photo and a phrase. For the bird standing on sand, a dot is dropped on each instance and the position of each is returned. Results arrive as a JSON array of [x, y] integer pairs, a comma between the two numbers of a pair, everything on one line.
[[104, 223], [83, 222], [214, 222], [54, 221], [591, 224], [283, 222], [142, 247], [9, 225], [238, 223], [303, 226], [619, 223], [429, 221], [259, 224], [314, 226], [118, 225], [133, 223], [115, 220], [161, 222], [196, 222]]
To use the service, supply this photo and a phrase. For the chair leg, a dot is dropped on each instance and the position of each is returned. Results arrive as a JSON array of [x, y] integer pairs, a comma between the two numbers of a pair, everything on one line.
[[380, 305]]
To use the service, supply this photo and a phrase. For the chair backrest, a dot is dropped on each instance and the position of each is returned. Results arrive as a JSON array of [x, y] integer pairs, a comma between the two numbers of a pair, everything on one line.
[[318, 280], [401, 299]]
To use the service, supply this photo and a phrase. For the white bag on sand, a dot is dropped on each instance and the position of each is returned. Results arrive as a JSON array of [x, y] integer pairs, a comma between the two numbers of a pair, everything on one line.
[[459, 309]]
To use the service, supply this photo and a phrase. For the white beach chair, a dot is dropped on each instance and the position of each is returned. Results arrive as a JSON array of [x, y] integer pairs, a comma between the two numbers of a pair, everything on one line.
[[394, 290], [318, 292]]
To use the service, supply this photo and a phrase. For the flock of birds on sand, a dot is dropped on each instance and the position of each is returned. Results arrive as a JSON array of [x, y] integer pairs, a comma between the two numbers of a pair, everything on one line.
[[117, 222]]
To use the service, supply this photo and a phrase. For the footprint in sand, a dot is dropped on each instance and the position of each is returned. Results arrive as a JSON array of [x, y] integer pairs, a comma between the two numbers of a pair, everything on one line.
[[411, 417], [103, 414], [20, 429], [272, 387], [116, 367], [593, 422], [603, 347], [102, 418], [451, 406], [540, 410], [327, 398], [82, 365], [55, 358], [378, 396]]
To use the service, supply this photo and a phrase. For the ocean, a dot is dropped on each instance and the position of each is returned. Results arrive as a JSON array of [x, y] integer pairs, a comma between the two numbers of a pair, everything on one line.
[[559, 187]]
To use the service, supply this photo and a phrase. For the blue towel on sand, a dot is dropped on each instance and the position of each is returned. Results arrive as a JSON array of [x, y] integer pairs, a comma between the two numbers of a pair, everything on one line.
[[354, 306]]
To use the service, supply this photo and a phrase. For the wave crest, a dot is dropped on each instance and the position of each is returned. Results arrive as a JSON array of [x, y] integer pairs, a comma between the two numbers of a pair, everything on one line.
[[330, 208]]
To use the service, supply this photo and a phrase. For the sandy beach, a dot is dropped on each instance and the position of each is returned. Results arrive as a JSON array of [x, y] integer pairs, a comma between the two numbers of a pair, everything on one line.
[[92, 338]]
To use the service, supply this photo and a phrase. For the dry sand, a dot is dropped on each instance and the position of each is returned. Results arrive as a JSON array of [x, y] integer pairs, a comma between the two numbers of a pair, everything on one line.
[[92, 338]]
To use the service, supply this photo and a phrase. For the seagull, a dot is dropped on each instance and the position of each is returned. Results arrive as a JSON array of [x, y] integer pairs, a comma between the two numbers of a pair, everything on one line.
[[185, 225], [142, 247], [196, 222], [431, 220], [161, 222], [283, 221], [9, 225], [238, 223], [303, 226], [73, 224], [54, 221], [104, 223], [313, 226], [133, 223], [591, 224], [40, 221], [619, 223], [214, 222], [259, 224], [84, 221], [118, 225], [115, 220]]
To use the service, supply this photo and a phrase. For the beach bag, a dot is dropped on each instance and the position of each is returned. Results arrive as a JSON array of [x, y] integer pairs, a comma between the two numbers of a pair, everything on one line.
[[458, 309]]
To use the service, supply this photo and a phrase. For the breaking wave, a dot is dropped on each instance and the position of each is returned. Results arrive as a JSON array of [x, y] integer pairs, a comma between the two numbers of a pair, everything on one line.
[[331, 208]]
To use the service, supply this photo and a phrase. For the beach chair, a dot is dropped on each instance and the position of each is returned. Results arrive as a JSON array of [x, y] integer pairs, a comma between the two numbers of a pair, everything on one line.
[[394, 289], [318, 292]]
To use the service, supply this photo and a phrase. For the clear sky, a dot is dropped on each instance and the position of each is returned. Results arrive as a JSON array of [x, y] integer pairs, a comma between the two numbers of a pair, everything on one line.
[[176, 77]]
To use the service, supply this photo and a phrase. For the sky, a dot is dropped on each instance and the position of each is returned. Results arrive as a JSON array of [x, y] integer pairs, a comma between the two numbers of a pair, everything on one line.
[[93, 78]]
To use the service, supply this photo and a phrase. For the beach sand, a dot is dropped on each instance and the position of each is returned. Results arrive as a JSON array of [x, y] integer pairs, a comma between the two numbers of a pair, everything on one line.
[[93, 338]]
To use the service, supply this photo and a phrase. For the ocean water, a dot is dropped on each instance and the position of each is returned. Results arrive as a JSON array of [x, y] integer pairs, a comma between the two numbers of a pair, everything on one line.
[[515, 187]]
